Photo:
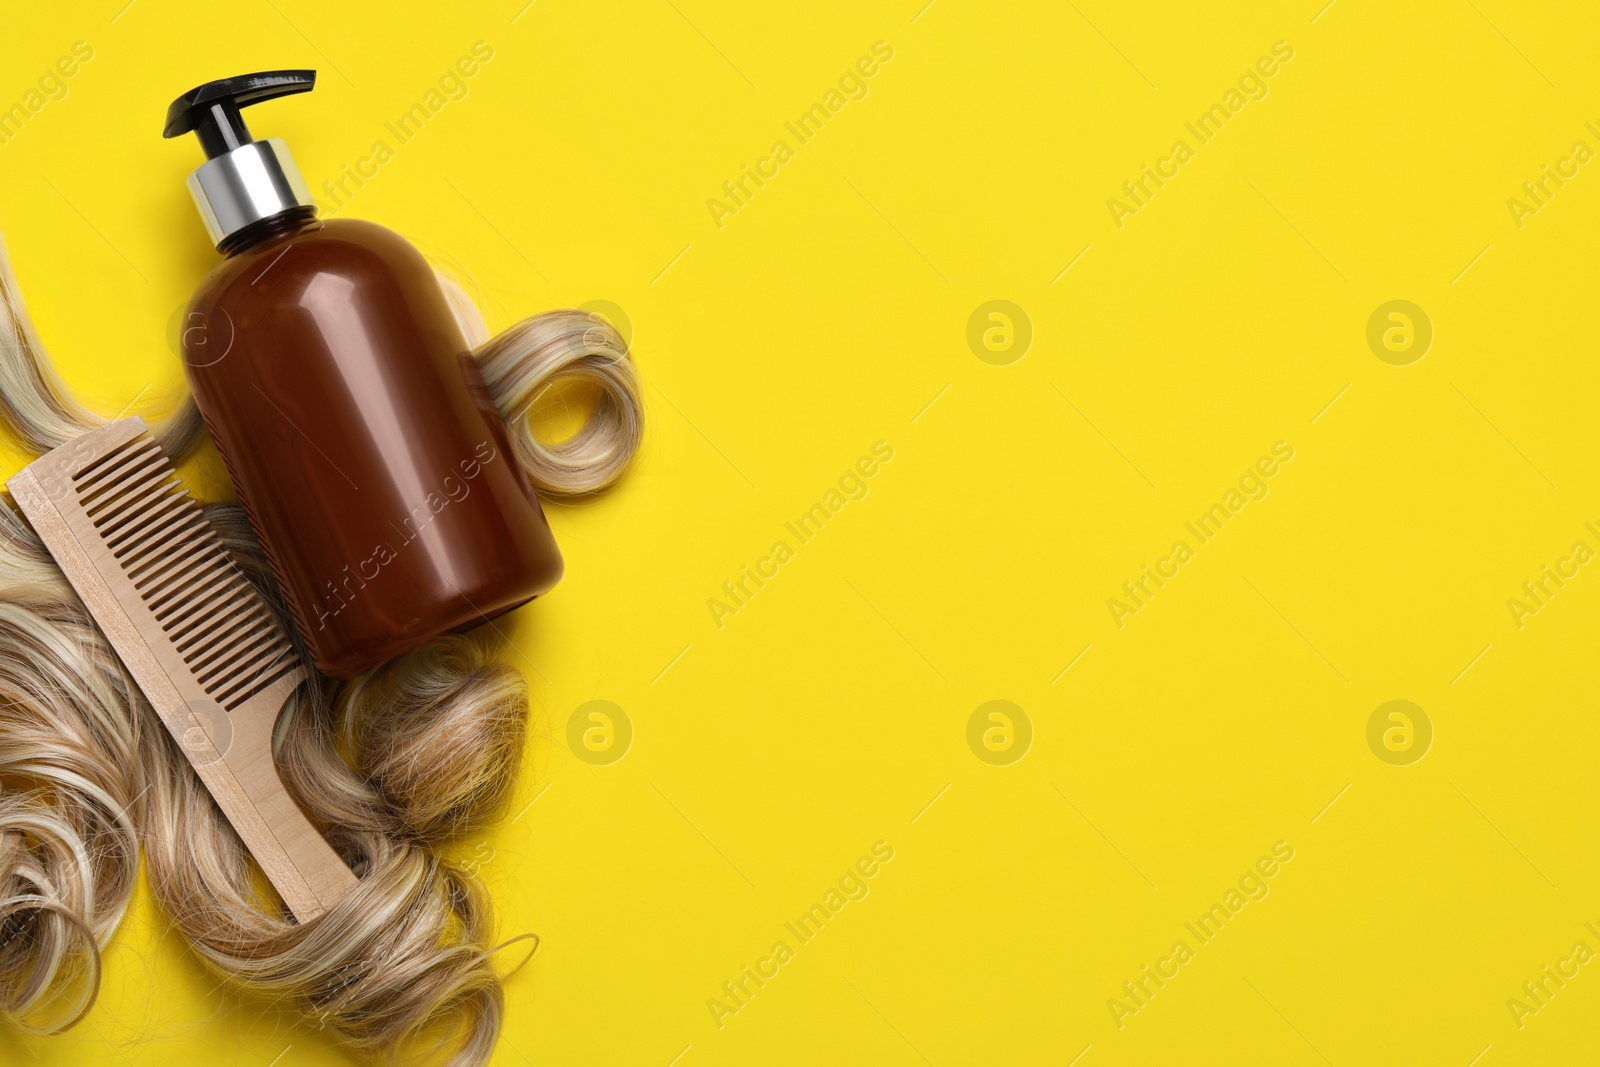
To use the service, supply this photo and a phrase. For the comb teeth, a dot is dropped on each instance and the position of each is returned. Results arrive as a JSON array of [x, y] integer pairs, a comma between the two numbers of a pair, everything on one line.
[[205, 606]]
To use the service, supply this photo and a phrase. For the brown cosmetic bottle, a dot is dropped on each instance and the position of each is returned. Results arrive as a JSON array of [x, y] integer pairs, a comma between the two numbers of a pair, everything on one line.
[[347, 407]]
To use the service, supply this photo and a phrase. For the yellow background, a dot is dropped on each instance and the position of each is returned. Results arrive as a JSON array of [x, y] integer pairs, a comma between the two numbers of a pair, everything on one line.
[[824, 316]]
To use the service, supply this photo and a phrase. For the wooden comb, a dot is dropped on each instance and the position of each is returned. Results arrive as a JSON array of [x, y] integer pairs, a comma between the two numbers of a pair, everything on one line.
[[204, 647]]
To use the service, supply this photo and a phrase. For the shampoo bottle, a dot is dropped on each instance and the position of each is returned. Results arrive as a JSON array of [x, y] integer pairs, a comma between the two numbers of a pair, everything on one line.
[[350, 413]]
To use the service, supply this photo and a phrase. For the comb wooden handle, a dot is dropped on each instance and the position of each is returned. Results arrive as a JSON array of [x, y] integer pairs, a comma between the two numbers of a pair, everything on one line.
[[203, 646]]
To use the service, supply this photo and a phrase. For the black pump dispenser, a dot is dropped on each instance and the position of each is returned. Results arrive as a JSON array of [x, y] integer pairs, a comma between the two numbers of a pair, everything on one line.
[[244, 180], [211, 111]]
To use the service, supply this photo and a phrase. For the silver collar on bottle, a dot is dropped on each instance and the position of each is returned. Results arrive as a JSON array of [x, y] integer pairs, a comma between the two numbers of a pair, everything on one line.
[[246, 185]]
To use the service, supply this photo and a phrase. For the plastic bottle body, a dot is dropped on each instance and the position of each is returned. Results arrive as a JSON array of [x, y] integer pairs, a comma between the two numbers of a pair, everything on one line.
[[354, 422]]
